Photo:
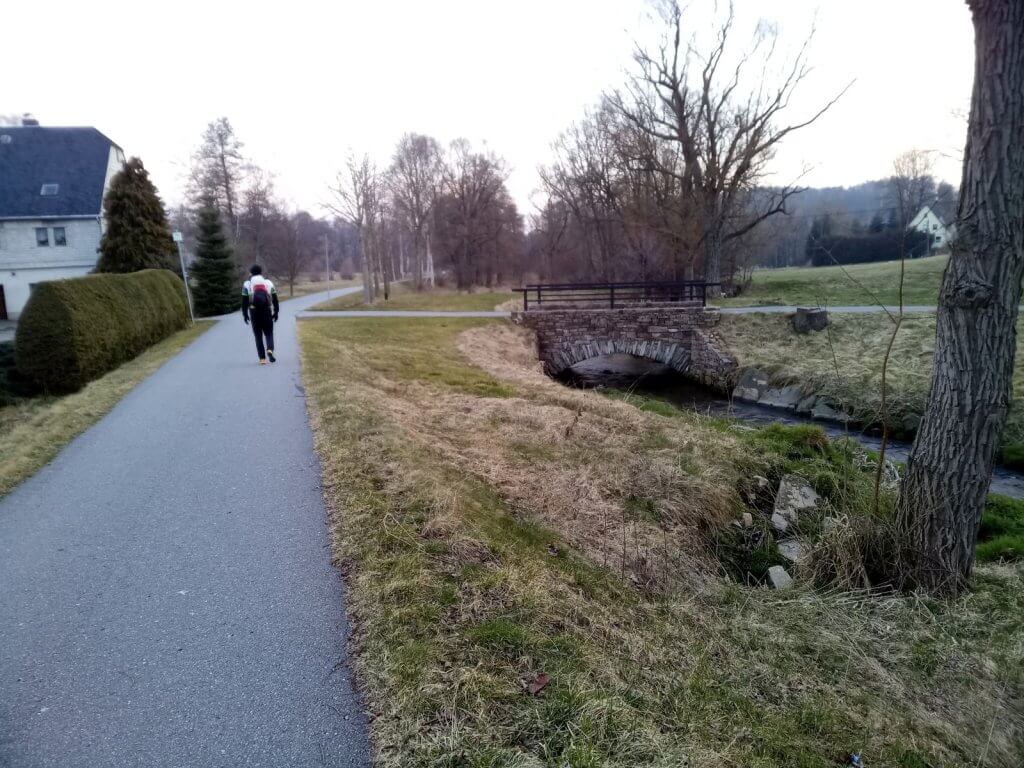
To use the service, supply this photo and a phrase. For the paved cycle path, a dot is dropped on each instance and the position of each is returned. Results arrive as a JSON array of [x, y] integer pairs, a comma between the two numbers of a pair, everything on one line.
[[166, 590]]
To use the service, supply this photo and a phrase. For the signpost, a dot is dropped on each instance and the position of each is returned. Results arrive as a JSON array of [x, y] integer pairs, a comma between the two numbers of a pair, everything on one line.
[[178, 240]]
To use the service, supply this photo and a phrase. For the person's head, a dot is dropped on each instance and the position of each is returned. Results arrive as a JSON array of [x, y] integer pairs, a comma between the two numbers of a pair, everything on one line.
[[255, 269]]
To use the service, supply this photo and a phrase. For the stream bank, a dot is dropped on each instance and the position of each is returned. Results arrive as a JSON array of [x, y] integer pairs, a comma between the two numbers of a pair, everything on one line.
[[773, 405]]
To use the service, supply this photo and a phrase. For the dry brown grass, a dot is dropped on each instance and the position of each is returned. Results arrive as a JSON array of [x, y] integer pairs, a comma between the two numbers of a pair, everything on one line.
[[467, 578]]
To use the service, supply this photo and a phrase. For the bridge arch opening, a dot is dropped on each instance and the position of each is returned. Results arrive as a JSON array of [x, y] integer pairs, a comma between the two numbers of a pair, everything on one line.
[[617, 370]]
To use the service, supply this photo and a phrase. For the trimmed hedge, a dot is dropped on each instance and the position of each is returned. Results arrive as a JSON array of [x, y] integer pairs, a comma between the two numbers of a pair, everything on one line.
[[73, 331]]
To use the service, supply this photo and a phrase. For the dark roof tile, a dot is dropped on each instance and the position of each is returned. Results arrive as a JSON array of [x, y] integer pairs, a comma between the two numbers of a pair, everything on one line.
[[74, 158]]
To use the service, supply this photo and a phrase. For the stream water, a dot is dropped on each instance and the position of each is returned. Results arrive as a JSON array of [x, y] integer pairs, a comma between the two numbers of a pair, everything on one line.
[[633, 374]]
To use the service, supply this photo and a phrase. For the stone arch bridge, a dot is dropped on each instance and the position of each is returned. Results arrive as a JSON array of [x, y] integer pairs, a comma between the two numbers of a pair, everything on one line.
[[681, 337]]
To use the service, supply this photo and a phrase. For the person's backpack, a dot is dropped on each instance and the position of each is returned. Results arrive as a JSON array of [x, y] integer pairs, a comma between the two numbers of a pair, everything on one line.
[[260, 295]]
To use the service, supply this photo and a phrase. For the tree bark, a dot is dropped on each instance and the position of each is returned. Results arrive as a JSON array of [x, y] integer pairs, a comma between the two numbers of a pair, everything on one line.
[[950, 464]]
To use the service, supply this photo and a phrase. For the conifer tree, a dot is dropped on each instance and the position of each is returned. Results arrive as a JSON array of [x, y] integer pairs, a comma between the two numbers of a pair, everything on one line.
[[213, 272], [137, 236]]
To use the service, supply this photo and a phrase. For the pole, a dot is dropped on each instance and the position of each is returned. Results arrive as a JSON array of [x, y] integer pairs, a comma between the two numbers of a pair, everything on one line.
[[327, 261], [178, 238]]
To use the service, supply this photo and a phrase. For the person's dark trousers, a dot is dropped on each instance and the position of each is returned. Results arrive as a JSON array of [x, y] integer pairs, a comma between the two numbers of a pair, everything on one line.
[[263, 328]]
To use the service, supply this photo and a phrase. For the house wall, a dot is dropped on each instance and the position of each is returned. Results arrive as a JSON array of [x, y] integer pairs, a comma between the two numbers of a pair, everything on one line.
[[23, 263], [930, 224]]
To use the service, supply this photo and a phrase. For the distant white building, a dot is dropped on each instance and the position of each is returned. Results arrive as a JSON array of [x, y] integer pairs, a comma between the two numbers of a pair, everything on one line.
[[52, 184], [931, 224]]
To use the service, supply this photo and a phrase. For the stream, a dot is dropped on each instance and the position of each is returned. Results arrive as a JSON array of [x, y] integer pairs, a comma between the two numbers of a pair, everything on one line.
[[633, 374]]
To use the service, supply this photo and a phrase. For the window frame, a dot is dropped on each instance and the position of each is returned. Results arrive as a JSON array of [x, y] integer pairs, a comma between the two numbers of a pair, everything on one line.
[[62, 240], [44, 241], [50, 185]]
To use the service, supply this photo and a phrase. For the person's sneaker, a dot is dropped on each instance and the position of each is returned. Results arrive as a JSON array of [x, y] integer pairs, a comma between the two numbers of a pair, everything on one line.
[[270, 354], [262, 361]]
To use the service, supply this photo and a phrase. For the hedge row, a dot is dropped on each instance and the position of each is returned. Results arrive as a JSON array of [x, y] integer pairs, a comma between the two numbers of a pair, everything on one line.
[[72, 331]]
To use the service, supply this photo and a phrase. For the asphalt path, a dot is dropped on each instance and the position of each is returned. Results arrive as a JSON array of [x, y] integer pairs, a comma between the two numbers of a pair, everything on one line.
[[166, 590]]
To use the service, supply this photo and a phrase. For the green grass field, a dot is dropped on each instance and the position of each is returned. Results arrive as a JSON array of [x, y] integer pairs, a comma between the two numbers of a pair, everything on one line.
[[405, 298], [853, 285]]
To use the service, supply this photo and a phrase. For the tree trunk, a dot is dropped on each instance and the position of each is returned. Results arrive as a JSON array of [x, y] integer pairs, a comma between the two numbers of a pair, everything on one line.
[[430, 259], [367, 280], [950, 464], [713, 262], [418, 257]]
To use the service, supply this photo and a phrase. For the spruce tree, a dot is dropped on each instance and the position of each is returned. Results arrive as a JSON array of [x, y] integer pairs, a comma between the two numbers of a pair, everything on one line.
[[137, 236], [214, 290]]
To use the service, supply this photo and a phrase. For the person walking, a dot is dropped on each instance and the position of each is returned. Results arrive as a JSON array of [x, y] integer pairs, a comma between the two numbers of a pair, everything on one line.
[[259, 304]]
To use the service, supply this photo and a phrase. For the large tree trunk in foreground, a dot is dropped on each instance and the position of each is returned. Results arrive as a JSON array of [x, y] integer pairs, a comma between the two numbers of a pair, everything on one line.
[[950, 465]]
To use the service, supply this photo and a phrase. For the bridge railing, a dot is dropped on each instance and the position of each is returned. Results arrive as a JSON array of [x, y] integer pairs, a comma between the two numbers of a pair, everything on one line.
[[612, 295]]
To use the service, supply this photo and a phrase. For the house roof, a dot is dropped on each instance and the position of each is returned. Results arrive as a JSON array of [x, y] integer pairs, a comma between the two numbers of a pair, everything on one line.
[[73, 158], [925, 210]]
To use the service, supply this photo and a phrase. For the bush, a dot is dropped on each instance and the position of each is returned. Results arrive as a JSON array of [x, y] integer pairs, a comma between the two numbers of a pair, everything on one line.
[[13, 386], [72, 331]]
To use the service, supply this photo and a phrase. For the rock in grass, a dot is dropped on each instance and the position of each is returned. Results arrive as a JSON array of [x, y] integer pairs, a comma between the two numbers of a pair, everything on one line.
[[791, 549], [795, 495], [778, 578], [807, 320]]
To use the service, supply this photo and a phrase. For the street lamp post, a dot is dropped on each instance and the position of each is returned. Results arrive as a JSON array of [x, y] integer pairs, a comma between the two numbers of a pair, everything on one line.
[[178, 239], [327, 261]]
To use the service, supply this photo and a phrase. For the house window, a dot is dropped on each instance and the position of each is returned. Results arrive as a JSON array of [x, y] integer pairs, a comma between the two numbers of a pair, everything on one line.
[[42, 237], [49, 190], [59, 236]]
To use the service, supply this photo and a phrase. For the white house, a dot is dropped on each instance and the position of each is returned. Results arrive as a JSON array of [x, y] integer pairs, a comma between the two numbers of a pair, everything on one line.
[[52, 184], [930, 223]]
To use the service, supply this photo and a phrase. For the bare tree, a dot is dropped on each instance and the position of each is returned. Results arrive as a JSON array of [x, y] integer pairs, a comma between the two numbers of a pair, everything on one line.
[[356, 196], [912, 185], [218, 170], [476, 206], [414, 177], [256, 216], [725, 137], [950, 464]]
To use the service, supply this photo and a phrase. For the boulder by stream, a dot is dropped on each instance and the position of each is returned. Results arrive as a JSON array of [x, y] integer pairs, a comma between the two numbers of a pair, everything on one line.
[[755, 386]]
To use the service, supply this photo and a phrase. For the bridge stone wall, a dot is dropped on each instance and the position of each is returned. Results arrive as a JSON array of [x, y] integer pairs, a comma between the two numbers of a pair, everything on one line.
[[679, 336]]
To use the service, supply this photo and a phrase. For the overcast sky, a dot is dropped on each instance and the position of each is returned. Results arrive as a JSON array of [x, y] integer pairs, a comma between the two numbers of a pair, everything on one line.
[[304, 80]]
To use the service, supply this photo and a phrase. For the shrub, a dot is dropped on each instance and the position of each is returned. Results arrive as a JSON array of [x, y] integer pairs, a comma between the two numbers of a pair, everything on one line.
[[13, 386], [72, 331]]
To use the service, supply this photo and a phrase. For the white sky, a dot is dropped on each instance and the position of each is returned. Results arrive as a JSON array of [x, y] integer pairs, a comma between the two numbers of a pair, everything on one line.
[[304, 80]]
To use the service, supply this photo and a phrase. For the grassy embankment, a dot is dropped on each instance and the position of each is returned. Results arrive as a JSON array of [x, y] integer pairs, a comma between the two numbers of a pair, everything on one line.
[[405, 298], [857, 284], [845, 363], [495, 526], [33, 429]]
